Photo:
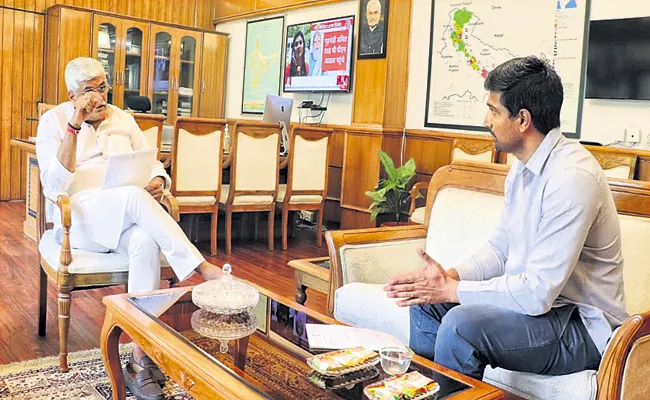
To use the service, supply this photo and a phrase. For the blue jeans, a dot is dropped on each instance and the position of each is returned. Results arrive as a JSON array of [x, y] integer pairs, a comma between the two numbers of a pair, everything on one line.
[[467, 338]]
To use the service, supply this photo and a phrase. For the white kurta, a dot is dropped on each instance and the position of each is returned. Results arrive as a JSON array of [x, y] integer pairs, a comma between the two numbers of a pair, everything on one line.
[[100, 217]]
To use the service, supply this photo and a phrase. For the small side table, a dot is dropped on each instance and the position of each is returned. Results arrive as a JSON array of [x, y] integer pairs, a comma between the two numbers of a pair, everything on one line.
[[310, 273]]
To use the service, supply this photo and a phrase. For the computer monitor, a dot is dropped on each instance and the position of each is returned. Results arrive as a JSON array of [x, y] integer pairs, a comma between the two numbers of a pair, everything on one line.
[[278, 109]]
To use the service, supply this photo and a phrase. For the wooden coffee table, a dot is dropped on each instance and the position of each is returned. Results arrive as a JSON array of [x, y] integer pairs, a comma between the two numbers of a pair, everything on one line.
[[310, 273], [269, 364]]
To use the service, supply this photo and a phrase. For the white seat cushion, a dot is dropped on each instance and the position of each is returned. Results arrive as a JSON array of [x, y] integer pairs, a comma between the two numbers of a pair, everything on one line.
[[352, 306], [577, 386], [418, 215], [240, 200], [298, 198], [196, 200], [84, 262]]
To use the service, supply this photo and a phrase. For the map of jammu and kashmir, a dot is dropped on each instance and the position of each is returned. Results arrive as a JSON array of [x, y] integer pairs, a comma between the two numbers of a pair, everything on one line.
[[471, 38], [263, 63]]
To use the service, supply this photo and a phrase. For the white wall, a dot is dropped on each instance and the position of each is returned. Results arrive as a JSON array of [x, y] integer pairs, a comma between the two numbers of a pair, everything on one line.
[[339, 109], [602, 120]]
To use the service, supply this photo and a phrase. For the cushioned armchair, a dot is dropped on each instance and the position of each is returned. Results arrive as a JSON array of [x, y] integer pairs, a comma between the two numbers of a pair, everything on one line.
[[151, 126], [73, 269], [463, 205]]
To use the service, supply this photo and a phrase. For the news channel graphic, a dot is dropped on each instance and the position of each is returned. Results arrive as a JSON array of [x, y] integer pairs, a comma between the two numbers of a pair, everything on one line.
[[318, 56]]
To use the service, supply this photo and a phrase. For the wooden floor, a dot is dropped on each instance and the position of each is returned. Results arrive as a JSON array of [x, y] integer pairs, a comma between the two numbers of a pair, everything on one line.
[[19, 272]]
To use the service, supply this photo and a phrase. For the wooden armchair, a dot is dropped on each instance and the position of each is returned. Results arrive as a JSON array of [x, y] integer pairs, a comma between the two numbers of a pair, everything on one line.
[[307, 179], [254, 173], [623, 369], [151, 126], [73, 269], [197, 151], [616, 163]]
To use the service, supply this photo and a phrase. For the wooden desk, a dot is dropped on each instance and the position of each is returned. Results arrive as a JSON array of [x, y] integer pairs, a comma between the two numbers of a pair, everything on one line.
[[33, 187]]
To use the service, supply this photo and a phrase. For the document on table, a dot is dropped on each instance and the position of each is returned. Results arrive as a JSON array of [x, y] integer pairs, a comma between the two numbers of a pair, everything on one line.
[[129, 169], [334, 337]]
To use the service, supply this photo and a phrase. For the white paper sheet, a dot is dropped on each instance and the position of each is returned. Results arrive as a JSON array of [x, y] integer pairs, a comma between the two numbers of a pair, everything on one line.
[[335, 337], [129, 169]]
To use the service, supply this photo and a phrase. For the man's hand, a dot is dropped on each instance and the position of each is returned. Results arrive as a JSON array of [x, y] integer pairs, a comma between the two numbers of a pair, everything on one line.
[[86, 107], [155, 188], [430, 285]]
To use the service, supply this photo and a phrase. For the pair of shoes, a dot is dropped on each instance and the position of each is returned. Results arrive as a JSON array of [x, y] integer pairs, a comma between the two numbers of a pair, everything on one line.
[[147, 363], [141, 383]]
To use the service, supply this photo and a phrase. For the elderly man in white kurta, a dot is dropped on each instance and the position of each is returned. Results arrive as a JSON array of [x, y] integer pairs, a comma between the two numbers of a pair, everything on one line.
[[73, 143]]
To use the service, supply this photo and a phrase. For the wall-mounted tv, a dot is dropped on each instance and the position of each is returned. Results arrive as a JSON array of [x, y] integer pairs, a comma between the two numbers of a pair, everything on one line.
[[319, 56], [618, 66]]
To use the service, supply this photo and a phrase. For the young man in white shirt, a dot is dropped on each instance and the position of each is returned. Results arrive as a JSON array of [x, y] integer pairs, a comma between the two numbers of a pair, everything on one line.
[[546, 292], [73, 143]]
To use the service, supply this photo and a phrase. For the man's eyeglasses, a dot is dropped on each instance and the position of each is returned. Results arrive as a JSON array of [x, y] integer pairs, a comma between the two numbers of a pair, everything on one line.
[[101, 89]]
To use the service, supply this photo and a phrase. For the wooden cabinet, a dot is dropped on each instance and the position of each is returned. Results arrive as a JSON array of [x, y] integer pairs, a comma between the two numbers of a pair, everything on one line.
[[181, 69], [122, 47], [174, 79], [213, 75]]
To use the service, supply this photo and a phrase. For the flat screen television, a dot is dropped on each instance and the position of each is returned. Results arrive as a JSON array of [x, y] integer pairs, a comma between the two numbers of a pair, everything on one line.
[[618, 65], [319, 56]]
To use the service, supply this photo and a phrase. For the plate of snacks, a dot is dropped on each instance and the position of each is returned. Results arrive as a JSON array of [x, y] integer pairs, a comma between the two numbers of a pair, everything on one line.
[[411, 386], [340, 362]]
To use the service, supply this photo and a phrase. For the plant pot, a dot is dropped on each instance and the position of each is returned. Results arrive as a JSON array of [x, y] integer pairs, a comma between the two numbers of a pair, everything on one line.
[[393, 223]]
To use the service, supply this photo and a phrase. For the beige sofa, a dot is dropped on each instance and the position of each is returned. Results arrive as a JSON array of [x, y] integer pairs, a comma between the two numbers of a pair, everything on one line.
[[463, 205]]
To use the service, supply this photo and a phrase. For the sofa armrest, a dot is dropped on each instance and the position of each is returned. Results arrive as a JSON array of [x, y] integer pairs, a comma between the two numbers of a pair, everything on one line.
[[370, 240], [623, 369], [415, 190]]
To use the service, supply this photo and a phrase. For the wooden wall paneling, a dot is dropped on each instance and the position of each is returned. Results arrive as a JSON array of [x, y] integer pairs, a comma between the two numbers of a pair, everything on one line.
[[369, 92], [8, 32], [430, 152], [642, 172], [334, 176], [51, 67], [336, 148], [17, 100], [229, 8], [397, 52], [392, 144], [332, 211], [37, 82], [360, 173], [28, 103]]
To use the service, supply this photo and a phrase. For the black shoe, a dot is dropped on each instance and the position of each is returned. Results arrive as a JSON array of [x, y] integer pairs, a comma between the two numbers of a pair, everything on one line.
[[141, 383], [147, 363]]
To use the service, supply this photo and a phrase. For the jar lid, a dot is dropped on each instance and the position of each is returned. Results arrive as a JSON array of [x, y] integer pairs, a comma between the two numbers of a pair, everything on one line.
[[226, 295]]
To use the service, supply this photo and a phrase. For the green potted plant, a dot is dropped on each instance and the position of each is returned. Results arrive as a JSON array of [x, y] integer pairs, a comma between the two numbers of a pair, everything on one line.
[[391, 195]]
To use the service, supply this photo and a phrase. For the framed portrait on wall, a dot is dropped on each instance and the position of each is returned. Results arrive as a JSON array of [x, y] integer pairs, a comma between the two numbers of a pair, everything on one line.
[[262, 63], [373, 28]]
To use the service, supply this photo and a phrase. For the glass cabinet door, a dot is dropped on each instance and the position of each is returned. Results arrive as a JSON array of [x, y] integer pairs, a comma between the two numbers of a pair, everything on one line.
[[133, 64], [186, 77], [163, 80], [106, 48]]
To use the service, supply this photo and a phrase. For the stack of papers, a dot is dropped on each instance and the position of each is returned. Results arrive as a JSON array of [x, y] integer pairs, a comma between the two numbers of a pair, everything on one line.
[[336, 337]]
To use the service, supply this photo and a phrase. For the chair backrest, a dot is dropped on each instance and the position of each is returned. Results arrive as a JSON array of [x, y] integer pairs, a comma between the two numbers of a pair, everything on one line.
[[151, 126], [197, 152], [42, 108], [474, 149], [308, 162], [616, 163], [255, 151], [456, 226]]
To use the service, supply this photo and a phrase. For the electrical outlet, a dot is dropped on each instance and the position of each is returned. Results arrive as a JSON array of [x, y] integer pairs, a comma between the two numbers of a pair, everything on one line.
[[633, 135]]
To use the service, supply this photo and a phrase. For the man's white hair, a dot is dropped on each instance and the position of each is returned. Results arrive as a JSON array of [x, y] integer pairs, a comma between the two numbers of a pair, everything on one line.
[[373, 2], [82, 70]]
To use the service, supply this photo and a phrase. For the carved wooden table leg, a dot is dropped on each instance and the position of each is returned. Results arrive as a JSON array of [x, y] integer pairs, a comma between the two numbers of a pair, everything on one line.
[[301, 294], [109, 344], [239, 355]]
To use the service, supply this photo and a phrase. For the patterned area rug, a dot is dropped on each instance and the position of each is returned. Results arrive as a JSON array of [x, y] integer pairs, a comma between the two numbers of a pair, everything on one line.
[[281, 375], [87, 380]]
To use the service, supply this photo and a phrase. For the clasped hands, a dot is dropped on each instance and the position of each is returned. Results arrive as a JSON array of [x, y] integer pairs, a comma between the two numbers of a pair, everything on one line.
[[429, 285], [155, 188]]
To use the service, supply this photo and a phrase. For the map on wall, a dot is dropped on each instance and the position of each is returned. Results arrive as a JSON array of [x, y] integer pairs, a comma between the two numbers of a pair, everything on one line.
[[470, 38], [262, 67]]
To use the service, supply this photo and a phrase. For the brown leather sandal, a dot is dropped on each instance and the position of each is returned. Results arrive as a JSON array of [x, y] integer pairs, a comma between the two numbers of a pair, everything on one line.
[[147, 363], [141, 383]]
